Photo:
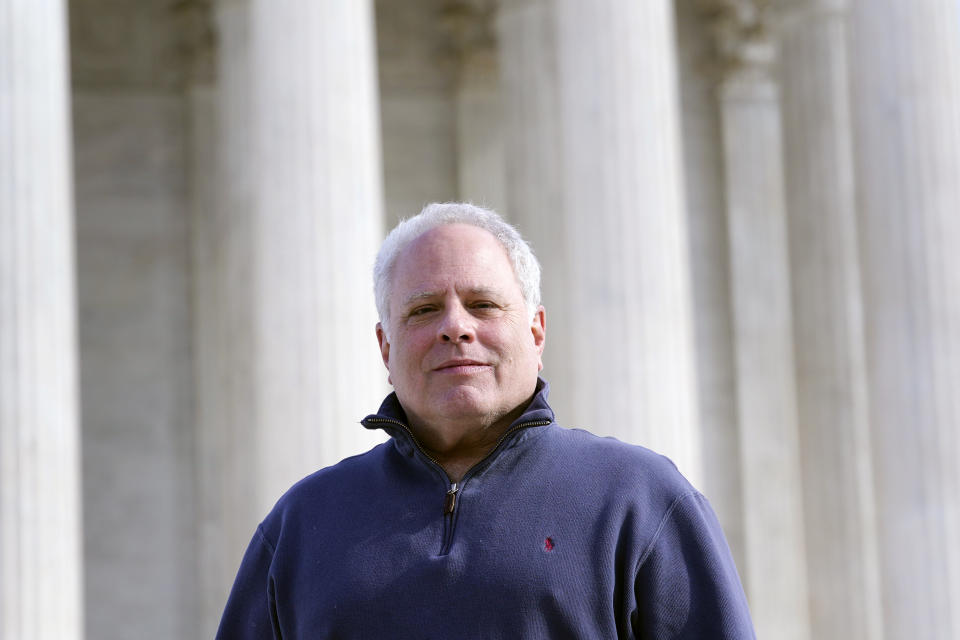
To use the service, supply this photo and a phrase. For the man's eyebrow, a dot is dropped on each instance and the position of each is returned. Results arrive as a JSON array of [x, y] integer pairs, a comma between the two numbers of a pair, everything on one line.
[[427, 295], [418, 296]]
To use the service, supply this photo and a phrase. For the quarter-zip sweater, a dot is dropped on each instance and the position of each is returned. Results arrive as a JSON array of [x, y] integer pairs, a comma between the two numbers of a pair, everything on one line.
[[557, 533]]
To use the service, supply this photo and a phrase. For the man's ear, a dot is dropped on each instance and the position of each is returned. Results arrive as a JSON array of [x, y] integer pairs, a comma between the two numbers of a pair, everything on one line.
[[384, 345], [539, 329]]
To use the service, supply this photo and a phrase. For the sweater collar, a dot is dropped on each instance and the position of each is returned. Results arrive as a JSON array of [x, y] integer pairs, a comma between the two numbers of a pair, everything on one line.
[[391, 416]]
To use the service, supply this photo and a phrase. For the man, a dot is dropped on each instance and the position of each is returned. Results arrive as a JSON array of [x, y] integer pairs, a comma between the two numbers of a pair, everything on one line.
[[481, 517]]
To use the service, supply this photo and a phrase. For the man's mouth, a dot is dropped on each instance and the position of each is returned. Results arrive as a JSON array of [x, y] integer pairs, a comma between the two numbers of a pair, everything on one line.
[[460, 364]]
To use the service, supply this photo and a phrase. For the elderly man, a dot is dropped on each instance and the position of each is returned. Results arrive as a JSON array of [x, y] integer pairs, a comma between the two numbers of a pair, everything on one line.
[[481, 517]]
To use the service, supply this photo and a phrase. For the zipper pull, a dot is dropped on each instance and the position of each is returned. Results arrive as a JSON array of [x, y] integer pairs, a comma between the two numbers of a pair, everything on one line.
[[450, 503]]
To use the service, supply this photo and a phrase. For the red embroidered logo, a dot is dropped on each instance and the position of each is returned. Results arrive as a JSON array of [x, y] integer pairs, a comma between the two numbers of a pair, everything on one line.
[[548, 544]]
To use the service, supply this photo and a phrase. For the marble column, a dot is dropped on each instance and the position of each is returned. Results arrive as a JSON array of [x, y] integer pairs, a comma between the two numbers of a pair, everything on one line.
[[710, 274], [40, 538], [418, 106], [317, 223], [224, 304], [622, 199], [604, 170], [840, 519], [283, 250], [775, 572], [481, 174], [220, 425], [528, 76], [904, 61], [481, 170]]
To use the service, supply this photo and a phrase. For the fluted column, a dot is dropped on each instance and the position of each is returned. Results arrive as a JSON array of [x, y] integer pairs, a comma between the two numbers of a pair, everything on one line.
[[317, 225], [221, 430], [40, 518], [220, 320], [287, 359], [608, 185], [528, 72], [627, 251], [710, 274], [224, 306], [905, 73], [775, 574], [481, 174], [481, 170], [841, 527]]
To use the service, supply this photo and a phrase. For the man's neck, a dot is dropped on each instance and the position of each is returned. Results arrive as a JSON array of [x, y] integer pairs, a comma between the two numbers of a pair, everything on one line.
[[456, 468], [457, 446]]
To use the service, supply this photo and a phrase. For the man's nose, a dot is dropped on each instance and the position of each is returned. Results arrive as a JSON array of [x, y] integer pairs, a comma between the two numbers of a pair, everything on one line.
[[457, 325]]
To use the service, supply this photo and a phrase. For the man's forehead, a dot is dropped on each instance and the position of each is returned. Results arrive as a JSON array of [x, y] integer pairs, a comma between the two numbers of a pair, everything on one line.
[[453, 251], [465, 242]]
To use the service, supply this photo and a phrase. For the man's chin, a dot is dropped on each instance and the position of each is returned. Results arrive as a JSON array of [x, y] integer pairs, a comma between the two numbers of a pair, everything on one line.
[[464, 398], [470, 398]]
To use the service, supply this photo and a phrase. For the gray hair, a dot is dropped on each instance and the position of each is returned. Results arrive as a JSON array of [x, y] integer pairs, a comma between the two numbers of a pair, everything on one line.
[[525, 265]]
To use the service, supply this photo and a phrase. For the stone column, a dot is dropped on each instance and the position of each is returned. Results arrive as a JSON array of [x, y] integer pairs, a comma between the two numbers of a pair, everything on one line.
[[841, 527], [40, 538], [710, 274], [601, 167], [316, 228], [224, 302], [905, 76], [528, 76], [775, 573], [481, 170], [418, 106], [287, 355], [222, 187], [221, 429]]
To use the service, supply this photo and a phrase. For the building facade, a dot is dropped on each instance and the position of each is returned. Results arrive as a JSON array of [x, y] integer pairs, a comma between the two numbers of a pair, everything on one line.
[[748, 214]]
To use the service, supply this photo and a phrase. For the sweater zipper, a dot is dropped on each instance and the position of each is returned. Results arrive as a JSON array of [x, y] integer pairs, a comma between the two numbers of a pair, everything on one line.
[[413, 439], [450, 504], [450, 497]]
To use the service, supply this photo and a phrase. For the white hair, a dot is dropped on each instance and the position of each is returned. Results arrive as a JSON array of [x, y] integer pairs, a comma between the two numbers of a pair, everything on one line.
[[525, 265]]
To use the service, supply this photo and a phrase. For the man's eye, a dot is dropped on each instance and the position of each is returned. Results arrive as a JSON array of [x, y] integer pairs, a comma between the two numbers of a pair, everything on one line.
[[419, 311], [484, 305]]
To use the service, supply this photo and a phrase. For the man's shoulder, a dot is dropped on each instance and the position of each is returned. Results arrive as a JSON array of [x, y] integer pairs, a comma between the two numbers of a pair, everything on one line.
[[607, 460], [611, 452], [338, 481]]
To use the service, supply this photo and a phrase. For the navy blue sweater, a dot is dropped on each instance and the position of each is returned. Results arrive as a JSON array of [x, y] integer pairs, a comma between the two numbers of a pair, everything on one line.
[[556, 534]]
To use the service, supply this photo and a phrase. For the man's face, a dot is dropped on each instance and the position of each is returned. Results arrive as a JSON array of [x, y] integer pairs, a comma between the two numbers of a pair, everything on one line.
[[462, 344]]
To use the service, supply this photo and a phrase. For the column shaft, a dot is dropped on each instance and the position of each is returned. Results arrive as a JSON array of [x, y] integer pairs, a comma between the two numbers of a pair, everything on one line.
[[528, 68], [710, 276], [905, 71], [775, 575], [224, 306], [601, 168], [481, 174], [317, 221], [826, 287], [40, 539], [287, 355]]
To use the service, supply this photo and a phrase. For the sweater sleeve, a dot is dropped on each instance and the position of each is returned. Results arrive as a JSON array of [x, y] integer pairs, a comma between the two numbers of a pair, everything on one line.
[[250, 613], [686, 583]]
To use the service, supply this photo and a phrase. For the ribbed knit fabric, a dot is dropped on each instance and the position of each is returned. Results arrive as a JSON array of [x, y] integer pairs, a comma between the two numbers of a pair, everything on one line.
[[556, 534]]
